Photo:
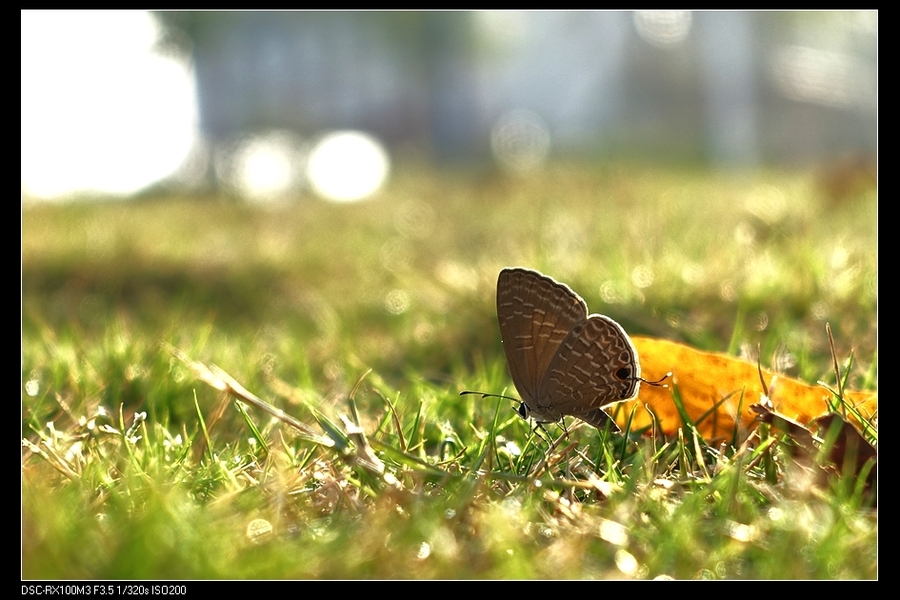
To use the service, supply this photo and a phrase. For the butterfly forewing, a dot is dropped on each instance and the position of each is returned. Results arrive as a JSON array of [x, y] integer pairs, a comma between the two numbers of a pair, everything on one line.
[[595, 365], [535, 315]]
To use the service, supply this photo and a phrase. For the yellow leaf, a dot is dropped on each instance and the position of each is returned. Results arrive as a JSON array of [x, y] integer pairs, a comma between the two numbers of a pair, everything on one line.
[[704, 379]]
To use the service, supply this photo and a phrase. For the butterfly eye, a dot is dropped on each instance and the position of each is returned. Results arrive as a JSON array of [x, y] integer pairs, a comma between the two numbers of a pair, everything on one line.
[[624, 374]]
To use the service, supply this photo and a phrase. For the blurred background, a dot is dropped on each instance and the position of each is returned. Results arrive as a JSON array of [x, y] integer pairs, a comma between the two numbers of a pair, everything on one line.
[[274, 105], [340, 189]]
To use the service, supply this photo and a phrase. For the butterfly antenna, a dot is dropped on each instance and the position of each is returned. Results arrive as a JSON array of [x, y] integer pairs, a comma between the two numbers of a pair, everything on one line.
[[658, 382], [487, 395]]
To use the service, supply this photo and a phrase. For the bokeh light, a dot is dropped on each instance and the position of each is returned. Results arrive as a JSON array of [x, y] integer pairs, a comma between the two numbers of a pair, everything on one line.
[[821, 76], [663, 28], [264, 168], [347, 166], [520, 141], [100, 111]]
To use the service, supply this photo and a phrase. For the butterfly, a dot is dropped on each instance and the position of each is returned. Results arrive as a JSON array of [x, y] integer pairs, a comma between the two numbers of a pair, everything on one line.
[[562, 360]]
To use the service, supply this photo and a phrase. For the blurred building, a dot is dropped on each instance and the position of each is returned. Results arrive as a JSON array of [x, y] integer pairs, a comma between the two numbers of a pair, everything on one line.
[[728, 87]]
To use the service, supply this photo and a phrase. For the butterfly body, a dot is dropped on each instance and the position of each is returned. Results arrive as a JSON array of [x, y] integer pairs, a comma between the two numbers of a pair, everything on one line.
[[562, 360]]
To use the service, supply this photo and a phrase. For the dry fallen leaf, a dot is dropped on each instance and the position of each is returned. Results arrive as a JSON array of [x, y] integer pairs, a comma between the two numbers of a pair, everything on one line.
[[849, 450], [830, 444], [717, 391]]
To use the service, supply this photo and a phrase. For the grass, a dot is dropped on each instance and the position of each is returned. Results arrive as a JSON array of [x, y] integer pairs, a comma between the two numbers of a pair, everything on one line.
[[132, 467]]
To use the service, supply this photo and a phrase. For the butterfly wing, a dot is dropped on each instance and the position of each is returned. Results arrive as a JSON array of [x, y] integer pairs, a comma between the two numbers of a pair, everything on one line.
[[536, 314], [599, 419], [596, 365]]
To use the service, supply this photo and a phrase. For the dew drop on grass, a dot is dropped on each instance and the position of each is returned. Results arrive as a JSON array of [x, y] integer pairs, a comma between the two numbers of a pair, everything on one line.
[[424, 551], [258, 530], [626, 562]]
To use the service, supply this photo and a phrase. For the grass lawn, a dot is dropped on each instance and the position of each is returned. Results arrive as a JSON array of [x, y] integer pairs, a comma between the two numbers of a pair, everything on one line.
[[377, 314]]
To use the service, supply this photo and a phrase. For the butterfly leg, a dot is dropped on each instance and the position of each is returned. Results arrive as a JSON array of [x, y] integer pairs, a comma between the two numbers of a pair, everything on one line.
[[545, 435]]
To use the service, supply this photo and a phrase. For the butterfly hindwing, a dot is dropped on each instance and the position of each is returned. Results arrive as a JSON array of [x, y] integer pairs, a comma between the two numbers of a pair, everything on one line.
[[596, 365], [599, 419]]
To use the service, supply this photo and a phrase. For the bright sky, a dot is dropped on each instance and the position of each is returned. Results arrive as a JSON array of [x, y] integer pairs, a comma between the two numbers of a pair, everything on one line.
[[100, 111]]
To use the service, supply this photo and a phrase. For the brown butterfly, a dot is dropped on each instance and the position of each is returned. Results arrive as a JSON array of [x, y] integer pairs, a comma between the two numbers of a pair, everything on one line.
[[562, 360]]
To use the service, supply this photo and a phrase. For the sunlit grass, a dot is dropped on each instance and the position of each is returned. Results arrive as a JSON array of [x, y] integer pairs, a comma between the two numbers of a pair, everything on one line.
[[298, 302]]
